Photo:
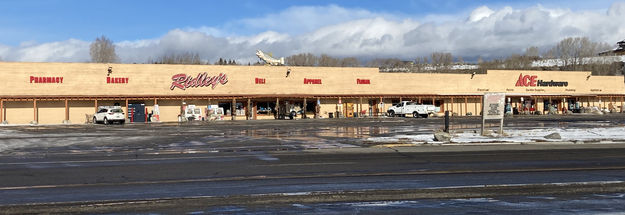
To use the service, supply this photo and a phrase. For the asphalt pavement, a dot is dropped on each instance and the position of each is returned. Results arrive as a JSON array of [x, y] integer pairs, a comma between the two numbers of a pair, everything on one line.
[[49, 166]]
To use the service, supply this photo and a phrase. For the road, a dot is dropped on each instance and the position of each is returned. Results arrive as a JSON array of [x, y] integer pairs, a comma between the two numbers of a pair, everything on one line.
[[54, 165]]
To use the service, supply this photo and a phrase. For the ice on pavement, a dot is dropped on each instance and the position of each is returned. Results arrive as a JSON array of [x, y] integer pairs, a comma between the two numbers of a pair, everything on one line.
[[516, 136], [13, 139]]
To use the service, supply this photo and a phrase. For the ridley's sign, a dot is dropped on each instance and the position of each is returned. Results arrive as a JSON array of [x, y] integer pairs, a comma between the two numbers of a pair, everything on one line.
[[183, 81], [531, 81]]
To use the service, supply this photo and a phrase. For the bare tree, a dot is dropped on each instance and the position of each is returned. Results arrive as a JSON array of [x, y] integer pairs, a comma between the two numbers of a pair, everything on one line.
[[573, 50], [420, 63], [179, 58], [350, 62], [480, 60], [516, 61], [304, 59], [442, 59], [460, 60], [532, 52], [326, 60], [386, 63], [102, 50]]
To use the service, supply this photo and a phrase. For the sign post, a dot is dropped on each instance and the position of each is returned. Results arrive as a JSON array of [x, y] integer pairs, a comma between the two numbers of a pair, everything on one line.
[[493, 108]]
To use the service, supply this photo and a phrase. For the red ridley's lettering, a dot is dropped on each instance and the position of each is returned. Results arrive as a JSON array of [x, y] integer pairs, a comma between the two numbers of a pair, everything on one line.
[[182, 81]]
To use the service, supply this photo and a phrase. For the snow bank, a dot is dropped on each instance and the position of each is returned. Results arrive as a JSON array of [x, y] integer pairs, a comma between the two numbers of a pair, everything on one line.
[[516, 136]]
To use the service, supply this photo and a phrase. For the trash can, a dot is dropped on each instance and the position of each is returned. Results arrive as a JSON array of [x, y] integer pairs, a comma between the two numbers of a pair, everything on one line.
[[330, 115]]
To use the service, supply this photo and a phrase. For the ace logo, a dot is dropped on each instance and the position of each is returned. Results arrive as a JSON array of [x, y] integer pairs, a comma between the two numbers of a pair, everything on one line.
[[526, 80]]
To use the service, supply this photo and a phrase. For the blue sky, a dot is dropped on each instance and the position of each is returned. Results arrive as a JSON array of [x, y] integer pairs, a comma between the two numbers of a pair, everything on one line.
[[51, 23], [53, 20]]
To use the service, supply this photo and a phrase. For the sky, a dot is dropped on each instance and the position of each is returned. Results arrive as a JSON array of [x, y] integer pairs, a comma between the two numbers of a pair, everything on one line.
[[61, 30]]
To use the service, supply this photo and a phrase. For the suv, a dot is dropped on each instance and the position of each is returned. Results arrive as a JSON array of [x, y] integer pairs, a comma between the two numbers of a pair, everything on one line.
[[108, 114]]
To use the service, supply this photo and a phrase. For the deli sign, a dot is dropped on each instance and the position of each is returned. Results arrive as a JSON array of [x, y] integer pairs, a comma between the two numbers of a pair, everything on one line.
[[533, 81], [183, 81]]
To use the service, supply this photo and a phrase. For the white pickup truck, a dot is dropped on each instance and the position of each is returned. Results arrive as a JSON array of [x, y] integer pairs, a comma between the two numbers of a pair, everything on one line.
[[407, 108]]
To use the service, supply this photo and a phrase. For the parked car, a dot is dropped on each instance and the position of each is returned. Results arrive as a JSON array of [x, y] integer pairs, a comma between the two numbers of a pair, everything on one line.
[[109, 114]]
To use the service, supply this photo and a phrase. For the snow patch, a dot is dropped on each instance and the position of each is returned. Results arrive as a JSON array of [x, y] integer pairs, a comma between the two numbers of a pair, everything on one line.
[[516, 136]]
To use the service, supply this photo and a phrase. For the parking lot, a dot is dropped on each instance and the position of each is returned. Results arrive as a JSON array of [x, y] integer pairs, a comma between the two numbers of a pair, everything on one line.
[[261, 135]]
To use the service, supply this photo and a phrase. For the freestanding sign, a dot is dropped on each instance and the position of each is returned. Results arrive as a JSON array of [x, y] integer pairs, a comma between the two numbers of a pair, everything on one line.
[[493, 105]]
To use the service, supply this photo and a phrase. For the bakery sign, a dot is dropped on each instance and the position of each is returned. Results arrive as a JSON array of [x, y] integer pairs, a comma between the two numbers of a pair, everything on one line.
[[533, 81], [184, 81]]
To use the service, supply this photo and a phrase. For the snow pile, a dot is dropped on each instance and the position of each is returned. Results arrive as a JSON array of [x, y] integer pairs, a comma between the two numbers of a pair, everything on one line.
[[516, 136]]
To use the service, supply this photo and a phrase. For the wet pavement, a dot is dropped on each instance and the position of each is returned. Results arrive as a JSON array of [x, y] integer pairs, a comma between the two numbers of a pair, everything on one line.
[[69, 163], [266, 135], [612, 203]]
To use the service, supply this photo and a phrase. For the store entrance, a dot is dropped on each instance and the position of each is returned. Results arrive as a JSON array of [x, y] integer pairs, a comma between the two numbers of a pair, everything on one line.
[[552, 106], [574, 105], [136, 112]]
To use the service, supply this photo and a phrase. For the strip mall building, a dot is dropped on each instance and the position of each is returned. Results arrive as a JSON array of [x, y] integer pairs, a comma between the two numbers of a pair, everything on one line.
[[53, 93]]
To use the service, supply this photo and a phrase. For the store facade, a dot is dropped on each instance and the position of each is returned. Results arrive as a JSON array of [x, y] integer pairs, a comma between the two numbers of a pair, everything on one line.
[[53, 93]]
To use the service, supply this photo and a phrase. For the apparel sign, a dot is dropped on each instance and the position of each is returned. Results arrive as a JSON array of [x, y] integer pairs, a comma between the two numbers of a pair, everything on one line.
[[183, 81], [531, 81]]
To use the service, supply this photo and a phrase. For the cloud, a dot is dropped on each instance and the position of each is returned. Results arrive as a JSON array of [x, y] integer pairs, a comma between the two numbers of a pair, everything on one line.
[[480, 13], [71, 50], [360, 33], [304, 19]]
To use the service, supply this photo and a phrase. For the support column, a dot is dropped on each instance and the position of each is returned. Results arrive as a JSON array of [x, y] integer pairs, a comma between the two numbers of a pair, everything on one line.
[[233, 109], [360, 108], [481, 102], [254, 110], [336, 108], [452, 106], [304, 111], [622, 104], [127, 111], [317, 108], [66, 111], [2, 111], [95, 105], [466, 106], [277, 108], [155, 101], [381, 106], [248, 111], [36, 115], [477, 113]]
